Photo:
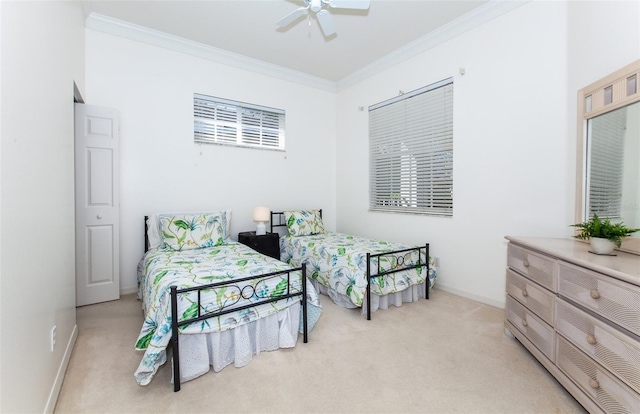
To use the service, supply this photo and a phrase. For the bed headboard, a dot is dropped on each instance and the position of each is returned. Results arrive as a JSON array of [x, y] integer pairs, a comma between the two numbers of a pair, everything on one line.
[[277, 219]]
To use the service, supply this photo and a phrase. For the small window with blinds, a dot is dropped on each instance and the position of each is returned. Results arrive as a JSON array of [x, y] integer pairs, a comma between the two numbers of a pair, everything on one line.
[[226, 122], [411, 152]]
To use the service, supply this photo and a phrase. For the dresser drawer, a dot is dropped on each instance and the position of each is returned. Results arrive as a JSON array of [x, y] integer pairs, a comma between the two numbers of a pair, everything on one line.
[[614, 350], [611, 298], [611, 394], [534, 297], [535, 266], [534, 328]]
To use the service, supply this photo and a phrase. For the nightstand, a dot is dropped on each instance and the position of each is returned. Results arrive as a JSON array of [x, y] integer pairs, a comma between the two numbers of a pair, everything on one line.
[[267, 244]]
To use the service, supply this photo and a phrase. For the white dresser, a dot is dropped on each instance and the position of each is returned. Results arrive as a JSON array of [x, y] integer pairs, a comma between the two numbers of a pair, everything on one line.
[[579, 314]]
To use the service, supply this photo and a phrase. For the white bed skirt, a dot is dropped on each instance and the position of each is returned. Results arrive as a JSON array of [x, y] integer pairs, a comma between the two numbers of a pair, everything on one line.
[[411, 294], [200, 352]]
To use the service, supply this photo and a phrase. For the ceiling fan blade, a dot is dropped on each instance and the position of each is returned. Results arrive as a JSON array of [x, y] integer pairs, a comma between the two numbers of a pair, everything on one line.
[[326, 23], [293, 16], [350, 4]]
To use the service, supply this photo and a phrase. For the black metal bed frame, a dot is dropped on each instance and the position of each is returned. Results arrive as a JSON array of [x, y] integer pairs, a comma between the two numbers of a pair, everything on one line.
[[277, 220], [246, 292]]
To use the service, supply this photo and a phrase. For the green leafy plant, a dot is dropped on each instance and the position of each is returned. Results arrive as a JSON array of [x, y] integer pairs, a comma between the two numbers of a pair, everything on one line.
[[603, 229]]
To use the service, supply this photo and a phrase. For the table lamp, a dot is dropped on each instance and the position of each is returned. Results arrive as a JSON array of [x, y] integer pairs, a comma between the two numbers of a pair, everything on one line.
[[261, 215]]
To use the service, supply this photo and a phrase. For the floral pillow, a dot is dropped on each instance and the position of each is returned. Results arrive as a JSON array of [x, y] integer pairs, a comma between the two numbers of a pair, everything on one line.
[[304, 222], [192, 231], [154, 231]]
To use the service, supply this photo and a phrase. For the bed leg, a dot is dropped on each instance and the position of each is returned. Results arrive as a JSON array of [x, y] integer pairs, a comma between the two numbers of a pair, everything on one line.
[[174, 339], [304, 302], [369, 286], [426, 295]]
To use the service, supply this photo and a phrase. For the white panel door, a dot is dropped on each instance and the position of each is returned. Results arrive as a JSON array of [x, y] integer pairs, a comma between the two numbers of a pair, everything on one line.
[[97, 205]]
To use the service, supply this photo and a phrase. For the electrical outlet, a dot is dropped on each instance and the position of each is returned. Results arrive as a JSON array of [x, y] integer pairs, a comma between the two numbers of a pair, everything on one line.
[[53, 338]]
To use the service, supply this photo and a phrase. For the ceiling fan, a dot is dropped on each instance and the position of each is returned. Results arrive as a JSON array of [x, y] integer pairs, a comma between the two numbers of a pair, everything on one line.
[[322, 13]]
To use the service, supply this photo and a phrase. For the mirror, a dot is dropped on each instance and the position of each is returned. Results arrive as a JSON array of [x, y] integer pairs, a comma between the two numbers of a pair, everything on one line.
[[613, 171], [608, 178]]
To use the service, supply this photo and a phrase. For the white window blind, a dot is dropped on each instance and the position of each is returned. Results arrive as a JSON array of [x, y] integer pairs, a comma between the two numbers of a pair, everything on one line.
[[226, 122], [411, 152], [606, 164]]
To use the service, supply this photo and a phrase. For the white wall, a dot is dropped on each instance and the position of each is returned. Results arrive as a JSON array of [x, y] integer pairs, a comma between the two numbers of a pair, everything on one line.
[[604, 36], [162, 169], [514, 138], [42, 54]]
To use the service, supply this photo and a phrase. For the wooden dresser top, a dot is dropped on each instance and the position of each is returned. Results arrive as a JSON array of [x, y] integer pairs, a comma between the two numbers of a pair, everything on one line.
[[623, 266]]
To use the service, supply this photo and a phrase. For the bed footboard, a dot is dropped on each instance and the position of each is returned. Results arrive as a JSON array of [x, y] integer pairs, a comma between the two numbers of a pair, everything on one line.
[[399, 267], [246, 292]]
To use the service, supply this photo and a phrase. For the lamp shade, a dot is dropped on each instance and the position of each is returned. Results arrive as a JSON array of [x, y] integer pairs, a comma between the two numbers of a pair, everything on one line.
[[261, 213]]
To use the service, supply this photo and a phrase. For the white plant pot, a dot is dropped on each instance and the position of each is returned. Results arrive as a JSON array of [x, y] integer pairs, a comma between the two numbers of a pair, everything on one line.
[[602, 246]]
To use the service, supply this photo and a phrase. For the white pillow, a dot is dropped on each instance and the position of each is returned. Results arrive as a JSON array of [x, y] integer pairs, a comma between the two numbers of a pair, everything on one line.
[[155, 236]]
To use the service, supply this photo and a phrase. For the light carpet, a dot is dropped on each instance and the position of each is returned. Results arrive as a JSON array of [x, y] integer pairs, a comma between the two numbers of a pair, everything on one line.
[[443, 355]]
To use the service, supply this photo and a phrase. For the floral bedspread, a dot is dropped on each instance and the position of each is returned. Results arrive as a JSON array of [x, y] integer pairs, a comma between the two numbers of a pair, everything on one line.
[[160, 269], [339, 261]]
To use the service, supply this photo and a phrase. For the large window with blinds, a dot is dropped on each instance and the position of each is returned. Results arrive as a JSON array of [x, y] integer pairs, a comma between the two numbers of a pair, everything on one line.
[[411, 152], [226, 122]]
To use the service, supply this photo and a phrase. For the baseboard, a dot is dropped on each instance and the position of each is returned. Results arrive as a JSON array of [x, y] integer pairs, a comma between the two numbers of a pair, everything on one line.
[[468, 295], [57, 384], [128, 291]]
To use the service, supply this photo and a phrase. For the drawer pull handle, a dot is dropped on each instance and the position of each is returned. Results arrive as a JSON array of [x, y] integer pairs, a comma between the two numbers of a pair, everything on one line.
[[594, 384], [524, 323], [525, 293], [525, 263], [591, 339], [595, 294]]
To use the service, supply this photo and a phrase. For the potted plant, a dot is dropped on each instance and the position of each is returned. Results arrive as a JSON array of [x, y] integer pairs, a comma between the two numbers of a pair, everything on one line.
[[603, 235]]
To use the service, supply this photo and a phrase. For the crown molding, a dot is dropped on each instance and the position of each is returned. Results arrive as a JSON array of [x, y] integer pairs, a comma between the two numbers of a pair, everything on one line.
[[475, 18], [462, 24], [127, 30]]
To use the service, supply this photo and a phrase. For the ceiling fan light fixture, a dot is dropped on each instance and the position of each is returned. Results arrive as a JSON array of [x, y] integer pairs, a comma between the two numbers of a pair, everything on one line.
[[315, 5]]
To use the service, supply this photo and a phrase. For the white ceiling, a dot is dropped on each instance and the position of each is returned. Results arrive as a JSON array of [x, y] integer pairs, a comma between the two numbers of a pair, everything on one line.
[[248, 28]]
